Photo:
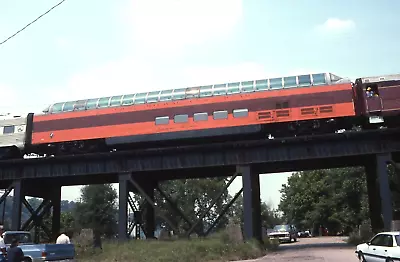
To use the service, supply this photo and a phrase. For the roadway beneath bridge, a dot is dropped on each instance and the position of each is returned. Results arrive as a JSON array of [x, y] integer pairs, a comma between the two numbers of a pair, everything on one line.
[[317, 249]]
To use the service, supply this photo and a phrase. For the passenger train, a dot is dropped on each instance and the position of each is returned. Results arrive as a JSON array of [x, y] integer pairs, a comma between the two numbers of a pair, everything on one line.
[[275, 107]]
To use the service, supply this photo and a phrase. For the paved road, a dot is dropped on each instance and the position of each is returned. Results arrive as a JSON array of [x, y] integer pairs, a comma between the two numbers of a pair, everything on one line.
[[319, 249]]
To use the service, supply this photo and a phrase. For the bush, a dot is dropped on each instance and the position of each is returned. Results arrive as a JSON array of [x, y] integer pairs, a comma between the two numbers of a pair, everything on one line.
[[362, 235]]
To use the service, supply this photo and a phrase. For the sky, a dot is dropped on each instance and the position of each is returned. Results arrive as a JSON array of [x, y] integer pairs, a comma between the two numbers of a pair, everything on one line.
[[88, 49]]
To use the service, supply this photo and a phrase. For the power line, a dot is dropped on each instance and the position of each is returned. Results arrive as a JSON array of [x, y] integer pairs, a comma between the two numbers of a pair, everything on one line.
[[48, 11]]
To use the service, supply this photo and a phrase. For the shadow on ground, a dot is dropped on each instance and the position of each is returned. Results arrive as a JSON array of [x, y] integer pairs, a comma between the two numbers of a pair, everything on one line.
[[315, 243]]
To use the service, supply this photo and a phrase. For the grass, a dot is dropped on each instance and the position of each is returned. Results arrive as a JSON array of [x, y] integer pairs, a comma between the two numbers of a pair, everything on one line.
[[213, 249]]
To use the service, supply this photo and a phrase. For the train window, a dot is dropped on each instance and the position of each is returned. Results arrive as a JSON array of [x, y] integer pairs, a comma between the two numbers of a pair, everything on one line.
[[103, 102], [162, 120], [319, 79], [115, 101], [181, 118], [8, 129], [247, 87], [289, 81], [219, 90], [233, 88], [261, 85], [140, 98], [200, 117], [205, 91], [152, 97], [127, 100], [192, 92], [179, 93], [68, 106], [166, 95], [57, 108], [275, 83], [80, 105], [91, 103], [240, 113], [220, 115], [304, 80]]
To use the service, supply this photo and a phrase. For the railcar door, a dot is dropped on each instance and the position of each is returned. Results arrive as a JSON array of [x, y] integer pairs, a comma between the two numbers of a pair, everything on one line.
[[373, 99]]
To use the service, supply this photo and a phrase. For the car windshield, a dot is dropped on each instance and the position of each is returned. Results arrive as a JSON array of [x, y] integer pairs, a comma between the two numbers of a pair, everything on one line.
[[397, 237], [21, 237], [281, 228]]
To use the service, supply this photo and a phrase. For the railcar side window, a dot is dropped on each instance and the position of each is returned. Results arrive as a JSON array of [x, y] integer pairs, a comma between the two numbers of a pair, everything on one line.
[[68, 106], [57, 108], [200, 117], [115, 101], [162, 120], [247, 87], [305, 80], [219, 90], [275, 83], [290, 81], [192, 92], [179, 94], [91, 103], [140, 98], [127, 100], [8, 129], [240, 113], [205, 91], [318, 79], [80, 105], [233, 88], [103, 102], [220, 115], [166, 95], [261, 85], [181, 118], [152, 97]]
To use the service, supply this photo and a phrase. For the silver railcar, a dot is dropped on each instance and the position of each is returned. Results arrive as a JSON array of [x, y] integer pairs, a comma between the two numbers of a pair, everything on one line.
[[12, 135]]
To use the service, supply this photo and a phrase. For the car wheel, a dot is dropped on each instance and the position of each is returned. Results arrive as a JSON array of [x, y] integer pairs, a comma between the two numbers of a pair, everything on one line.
[[389, 260], [361, 257]]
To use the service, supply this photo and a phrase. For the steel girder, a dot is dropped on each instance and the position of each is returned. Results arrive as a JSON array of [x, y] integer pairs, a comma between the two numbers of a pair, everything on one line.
[[214, 155]]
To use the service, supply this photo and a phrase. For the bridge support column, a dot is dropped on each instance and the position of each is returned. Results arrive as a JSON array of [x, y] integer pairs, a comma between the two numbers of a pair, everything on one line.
[[17, 205], [150, 221], [380, 202], [252, 203], [56, 216], [123, 206]]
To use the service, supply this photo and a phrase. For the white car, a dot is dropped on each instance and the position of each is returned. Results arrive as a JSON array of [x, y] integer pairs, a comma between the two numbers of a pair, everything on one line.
[[383, 247]]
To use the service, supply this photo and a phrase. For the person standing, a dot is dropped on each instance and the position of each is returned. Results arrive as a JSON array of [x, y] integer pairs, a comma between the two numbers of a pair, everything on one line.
[[15, 253], [3, 248]]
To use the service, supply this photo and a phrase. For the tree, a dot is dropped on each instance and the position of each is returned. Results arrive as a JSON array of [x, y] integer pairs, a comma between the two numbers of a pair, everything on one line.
[[192, 197], [97, 209], [269, 217], [336, 199]]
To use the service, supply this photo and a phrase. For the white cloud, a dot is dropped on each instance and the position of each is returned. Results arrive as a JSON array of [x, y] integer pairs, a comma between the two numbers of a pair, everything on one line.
[[171, 25], [336, 25], [63, 43]]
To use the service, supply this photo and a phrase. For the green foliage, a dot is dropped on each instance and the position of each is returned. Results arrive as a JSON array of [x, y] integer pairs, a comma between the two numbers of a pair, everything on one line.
[[97, 209], [269, 217], [336, 199]]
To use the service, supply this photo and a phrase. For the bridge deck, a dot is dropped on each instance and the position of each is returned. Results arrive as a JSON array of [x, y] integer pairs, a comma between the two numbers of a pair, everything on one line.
[[268, 156]]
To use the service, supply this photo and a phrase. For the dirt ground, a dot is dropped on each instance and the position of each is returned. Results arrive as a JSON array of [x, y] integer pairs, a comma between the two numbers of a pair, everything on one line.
[[317, 249]]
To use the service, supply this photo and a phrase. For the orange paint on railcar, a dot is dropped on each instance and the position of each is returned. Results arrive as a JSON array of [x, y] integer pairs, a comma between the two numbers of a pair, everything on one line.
[[295, 114], [312, 90]]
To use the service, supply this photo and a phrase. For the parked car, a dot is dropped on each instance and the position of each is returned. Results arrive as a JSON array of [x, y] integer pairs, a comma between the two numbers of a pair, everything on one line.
[[285, 233], [40, 252], [383, 247]]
